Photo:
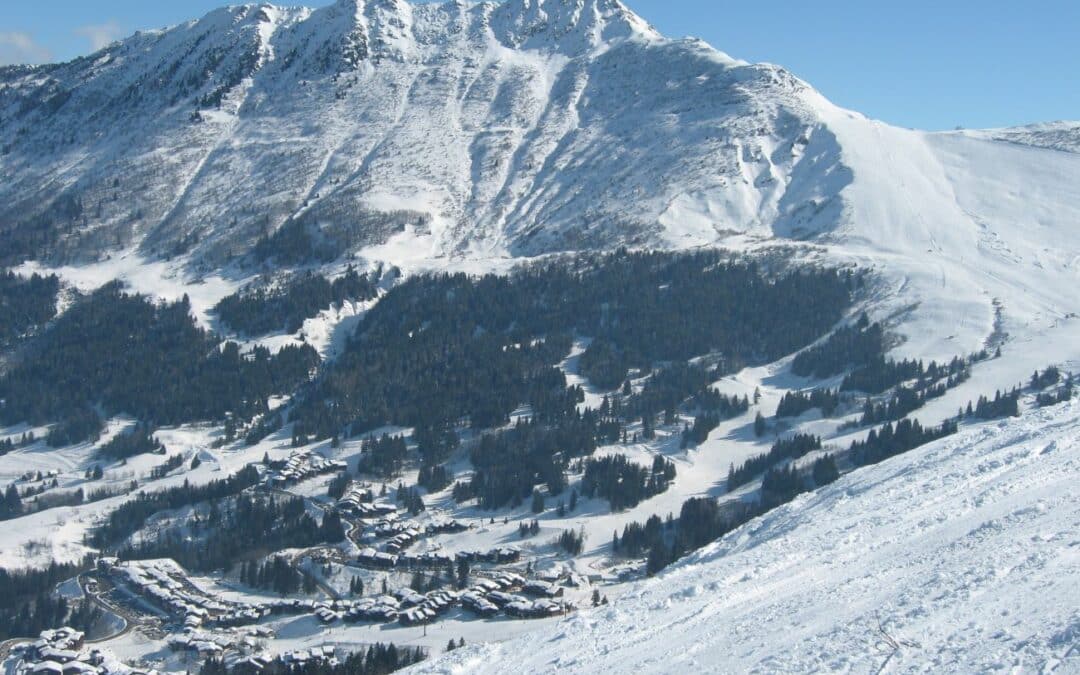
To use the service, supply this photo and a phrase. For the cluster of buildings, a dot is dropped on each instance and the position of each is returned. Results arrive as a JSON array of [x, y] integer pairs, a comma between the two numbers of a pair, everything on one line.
[[489, 596], [401, 534], [300, 466], [421, 609], [475, 599], [381, 609], [506, 592], [164, 584], [64, 652], [372, 558], [294, 659], [368, 509], [503, 555], [205, 644]]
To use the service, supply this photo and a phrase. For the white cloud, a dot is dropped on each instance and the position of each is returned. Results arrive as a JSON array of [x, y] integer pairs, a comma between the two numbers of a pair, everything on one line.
[[21, 48], [101, 35]]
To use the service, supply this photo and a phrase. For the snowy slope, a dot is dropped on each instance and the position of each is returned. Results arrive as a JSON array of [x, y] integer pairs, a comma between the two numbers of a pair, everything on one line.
[[965, 552], [1063, 136]]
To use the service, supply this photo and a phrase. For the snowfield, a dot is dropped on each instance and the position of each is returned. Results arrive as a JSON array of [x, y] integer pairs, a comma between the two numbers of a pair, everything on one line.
[[965, 553]]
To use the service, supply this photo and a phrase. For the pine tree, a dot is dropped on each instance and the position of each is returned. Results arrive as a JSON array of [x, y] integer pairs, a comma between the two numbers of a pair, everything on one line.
[[658, 559], [759, 425], [12, 504], [462, 573]]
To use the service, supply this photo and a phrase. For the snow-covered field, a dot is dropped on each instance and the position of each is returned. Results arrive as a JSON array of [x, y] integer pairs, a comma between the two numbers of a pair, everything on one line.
[[964, 553]]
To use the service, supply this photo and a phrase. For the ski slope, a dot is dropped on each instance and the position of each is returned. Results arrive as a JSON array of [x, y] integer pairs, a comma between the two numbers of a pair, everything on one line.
[[964, 552]]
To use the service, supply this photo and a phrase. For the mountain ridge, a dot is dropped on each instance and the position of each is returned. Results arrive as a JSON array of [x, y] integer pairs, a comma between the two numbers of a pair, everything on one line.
[[514, 90]]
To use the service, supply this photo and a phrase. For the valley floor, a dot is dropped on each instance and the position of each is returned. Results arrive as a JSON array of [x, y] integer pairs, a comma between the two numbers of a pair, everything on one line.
[[961, 556]]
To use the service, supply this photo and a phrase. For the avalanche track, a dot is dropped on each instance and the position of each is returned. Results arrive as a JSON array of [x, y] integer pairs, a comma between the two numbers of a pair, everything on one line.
[[961, 556]]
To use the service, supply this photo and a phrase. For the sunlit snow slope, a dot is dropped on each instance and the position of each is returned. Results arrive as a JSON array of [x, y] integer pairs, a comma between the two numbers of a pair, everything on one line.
[[964, 552]]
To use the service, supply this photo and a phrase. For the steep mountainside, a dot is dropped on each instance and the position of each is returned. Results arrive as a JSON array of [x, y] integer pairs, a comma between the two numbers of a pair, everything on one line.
[[525, 127]]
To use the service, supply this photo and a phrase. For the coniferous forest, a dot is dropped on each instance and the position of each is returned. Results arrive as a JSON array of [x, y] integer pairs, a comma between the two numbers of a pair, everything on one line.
[[236, 529], [444, 348], [128, 355], [26, 304], [264, 310]]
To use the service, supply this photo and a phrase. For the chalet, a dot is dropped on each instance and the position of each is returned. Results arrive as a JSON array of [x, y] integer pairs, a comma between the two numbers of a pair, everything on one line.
[[536, 609], [542, 589], [497, 556], [373, 510], [409, 598], [428, 560], [327, 615], [445, 527], [381, 609], [47, 668], [508, 580], [477, 604], [79, 668], [371, 558], [58, 655], [501, 599], [485, 586], [416, 616]]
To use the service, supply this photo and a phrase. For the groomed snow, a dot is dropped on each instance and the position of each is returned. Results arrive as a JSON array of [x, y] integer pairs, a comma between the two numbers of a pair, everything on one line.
[[965, 552]]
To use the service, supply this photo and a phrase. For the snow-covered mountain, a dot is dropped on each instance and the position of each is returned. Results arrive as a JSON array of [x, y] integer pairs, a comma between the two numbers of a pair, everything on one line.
[[529, 126], [929, 562], [468, 135], [493, 130]]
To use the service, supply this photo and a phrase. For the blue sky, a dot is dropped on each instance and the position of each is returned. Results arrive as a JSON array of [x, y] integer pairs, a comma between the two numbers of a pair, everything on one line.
[[932, 65]]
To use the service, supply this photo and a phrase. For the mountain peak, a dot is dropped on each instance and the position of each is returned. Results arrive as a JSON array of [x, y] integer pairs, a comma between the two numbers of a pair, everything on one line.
[[569, 26]]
